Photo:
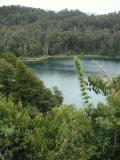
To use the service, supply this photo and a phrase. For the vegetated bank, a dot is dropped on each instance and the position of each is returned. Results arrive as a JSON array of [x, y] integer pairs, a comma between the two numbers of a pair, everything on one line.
[[61, 56]]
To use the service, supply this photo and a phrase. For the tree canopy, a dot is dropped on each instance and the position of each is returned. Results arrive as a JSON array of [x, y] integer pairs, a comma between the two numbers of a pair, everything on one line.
[[23, 85], [33, 32]]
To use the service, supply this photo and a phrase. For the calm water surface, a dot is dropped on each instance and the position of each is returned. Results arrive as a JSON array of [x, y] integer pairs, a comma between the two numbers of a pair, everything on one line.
[[61, 73]]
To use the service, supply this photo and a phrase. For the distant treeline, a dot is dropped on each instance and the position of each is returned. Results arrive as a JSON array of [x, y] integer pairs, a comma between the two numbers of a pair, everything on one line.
[[33, 32]]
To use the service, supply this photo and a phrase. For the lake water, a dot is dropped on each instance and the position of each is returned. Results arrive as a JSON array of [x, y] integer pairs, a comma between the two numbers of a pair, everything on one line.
[[62, 73]]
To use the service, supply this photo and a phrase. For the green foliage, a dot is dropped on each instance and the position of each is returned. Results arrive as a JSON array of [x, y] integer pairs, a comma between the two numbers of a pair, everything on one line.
[[65, 133], [32, 32], [105, 87], [104, 119], [58, 95], [82, 82], [99, 85], [19, 81]]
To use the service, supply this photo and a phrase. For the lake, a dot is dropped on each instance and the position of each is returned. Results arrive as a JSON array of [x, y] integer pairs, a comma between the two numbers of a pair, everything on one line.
[[62, 73]]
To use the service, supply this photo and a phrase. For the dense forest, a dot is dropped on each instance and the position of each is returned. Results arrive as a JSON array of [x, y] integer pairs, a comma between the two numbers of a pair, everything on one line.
[[32, 32], [34, 125]]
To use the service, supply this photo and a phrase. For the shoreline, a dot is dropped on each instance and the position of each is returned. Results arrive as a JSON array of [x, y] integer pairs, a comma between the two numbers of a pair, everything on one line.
[[42, 58]]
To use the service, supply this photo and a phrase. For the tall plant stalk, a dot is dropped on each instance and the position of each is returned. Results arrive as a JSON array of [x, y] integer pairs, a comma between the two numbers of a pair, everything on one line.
[[82, 82]]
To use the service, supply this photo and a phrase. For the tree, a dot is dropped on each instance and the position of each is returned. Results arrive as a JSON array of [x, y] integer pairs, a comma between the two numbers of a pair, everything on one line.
[[19, 81], [35, 32]]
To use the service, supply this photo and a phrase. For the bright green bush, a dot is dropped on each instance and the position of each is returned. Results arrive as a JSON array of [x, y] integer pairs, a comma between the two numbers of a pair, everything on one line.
[[65, 133]]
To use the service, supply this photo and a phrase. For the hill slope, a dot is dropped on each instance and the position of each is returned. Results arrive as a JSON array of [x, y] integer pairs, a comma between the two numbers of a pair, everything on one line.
[[32, 32]]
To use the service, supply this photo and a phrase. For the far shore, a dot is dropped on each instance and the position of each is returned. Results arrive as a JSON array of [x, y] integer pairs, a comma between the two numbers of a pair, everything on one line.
[[48, 57]]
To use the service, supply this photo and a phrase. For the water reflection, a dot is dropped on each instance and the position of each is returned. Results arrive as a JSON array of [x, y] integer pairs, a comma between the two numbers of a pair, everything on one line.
[[62, 73]]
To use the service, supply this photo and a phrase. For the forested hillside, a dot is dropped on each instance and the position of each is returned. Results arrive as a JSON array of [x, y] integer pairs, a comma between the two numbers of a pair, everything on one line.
[[33, 32]]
